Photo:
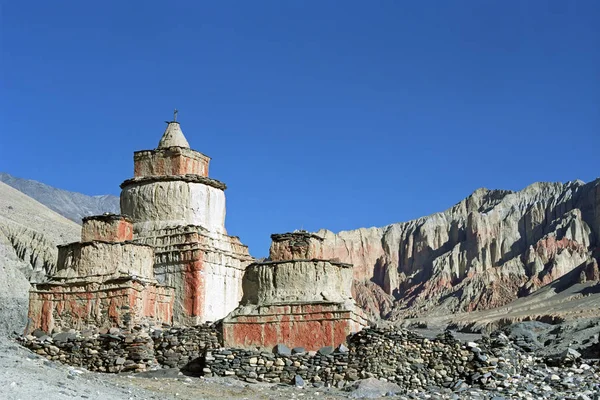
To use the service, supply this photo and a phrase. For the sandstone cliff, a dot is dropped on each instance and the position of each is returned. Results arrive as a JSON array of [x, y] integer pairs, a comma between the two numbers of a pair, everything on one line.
[[486, 251], [29, 233]]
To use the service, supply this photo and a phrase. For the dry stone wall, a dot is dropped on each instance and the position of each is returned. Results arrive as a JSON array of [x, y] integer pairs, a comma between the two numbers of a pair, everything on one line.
[[185, 348], [408, 360], [114, 350]]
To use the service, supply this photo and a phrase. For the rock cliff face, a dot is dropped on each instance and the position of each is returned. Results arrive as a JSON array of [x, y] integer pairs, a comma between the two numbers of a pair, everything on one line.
[[484, 252]]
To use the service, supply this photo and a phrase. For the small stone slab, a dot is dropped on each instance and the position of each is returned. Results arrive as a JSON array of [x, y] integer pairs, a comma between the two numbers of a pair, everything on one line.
[[342, 349], [283, 350], [325, 351], [64, 337], [38, 333], [373, 388], [298, 381]]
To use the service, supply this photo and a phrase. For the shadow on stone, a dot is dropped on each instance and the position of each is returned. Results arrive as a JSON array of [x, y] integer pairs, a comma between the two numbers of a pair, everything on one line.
[[194, 367]]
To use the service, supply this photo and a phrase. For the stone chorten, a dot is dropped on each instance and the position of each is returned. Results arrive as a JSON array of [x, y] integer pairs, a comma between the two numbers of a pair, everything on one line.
[[105, 280], [295, 298], [179, 211]]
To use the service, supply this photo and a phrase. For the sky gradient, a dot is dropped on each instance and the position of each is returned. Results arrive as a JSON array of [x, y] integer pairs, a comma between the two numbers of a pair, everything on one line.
[[317, 114]]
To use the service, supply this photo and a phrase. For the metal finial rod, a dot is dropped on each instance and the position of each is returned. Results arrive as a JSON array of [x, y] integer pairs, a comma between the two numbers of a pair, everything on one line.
[[175, 115]]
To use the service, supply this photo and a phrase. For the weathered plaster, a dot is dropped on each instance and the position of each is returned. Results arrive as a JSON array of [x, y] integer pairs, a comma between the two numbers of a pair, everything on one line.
[[109, 227], [122, 303], [104, 260], [160, 204], [297, 281], [170, 161], [311, 326]]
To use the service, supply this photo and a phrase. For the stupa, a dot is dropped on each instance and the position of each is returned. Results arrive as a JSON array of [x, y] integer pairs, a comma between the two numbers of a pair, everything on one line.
[[180, 212], [295, 298], [106, 280]]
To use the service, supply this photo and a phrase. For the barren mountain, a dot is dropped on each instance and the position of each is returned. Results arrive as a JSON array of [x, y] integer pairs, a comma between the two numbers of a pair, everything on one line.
[[485, 252], [29, 233], [72, 205]]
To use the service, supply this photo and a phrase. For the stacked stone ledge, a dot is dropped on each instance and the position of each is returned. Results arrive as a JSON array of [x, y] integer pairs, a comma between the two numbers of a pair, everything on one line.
[[104, 281], [294, 298]]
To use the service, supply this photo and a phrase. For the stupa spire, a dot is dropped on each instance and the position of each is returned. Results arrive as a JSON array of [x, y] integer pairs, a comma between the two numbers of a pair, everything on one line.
[[173, 135]]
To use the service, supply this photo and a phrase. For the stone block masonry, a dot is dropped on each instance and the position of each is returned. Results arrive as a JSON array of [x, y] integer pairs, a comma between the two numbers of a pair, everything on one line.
[[185, 348]]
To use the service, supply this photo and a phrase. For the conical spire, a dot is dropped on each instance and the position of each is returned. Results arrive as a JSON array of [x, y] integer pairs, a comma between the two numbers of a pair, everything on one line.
[[173, 135]]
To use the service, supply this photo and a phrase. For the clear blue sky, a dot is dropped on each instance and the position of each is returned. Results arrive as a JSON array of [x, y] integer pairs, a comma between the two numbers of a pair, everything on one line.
[[317, 114]]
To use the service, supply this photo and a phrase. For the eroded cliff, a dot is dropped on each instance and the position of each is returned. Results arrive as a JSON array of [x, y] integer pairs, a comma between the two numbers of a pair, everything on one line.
[[484, 252]]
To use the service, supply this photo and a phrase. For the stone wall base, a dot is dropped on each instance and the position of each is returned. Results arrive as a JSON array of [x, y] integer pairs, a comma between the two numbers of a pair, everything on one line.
[[308, 325], [115, 304]]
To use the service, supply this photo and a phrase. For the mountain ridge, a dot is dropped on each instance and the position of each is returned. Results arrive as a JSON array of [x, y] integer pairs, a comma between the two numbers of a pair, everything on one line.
[[72, 205]]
